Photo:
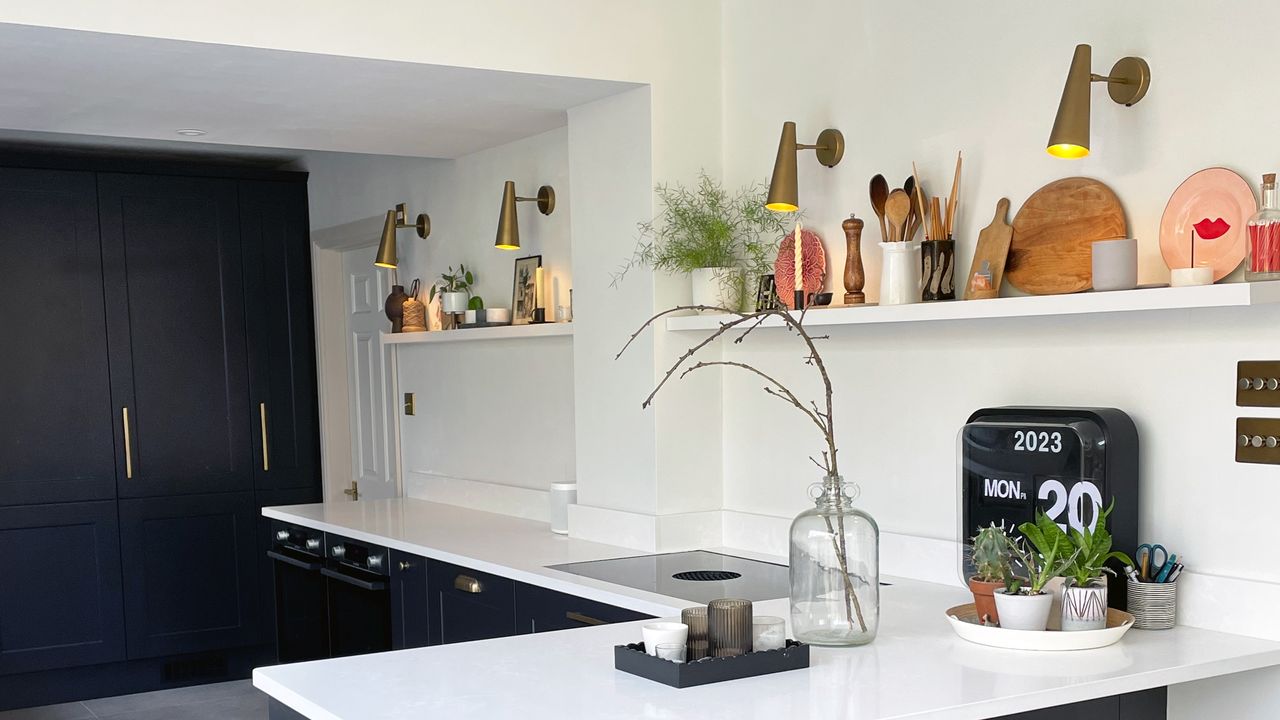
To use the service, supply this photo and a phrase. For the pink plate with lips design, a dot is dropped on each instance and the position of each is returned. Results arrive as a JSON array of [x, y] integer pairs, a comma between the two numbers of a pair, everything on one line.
[[1215, 204]]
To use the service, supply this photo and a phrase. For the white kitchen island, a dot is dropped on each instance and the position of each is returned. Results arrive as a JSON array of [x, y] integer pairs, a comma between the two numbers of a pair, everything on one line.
[[916, 668]]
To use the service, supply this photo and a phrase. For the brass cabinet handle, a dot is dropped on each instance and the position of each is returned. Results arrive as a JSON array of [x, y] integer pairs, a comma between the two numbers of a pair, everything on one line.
[[584, 619], [128, 450], [466, 583], [405, 566], [262, 420]]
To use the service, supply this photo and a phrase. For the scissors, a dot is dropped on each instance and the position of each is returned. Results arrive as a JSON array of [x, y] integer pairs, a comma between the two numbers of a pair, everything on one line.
[[1147, 557]]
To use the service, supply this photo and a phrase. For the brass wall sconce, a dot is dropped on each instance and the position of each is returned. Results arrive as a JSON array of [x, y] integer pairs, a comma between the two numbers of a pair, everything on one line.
[[397, 219], [508, 225], [1127, 84], [784, 195]]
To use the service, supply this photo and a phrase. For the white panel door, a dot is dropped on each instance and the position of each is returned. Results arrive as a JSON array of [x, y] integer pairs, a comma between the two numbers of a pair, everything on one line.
[[372, 378]]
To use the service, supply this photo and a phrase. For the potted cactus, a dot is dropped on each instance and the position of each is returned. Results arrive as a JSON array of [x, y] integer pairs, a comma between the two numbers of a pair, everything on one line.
[[991, 559]]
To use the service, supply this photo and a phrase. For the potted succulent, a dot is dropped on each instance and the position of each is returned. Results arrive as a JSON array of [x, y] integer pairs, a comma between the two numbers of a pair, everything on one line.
[[716, 238], [991, 558], [1084, 596], [1044, 554], [454, 288]]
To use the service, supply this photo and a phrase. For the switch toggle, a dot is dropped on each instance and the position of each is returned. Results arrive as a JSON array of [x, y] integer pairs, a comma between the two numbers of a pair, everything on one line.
[[1258, 440], [1258, 383]]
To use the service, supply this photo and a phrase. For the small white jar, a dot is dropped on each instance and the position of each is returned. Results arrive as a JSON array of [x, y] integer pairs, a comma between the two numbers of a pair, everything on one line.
[[563, 494], [900, 273]]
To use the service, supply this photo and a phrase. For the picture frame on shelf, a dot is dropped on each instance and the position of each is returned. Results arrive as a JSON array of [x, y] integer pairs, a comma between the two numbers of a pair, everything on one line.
[[767, 293], [523, 289]]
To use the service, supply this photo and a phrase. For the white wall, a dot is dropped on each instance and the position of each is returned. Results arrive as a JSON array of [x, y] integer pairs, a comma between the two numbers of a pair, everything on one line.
[[988, 83], [497, 413]]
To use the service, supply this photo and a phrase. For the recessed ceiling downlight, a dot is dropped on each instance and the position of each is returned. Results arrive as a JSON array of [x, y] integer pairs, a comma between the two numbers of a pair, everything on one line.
[[191, 132]]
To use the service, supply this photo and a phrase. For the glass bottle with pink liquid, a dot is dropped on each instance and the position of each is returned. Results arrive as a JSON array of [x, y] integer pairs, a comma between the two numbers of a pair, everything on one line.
[[1264, 235]]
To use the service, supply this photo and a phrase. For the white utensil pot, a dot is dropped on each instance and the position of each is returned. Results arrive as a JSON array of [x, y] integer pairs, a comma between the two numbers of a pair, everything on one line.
[[899, 273], [563, 494]]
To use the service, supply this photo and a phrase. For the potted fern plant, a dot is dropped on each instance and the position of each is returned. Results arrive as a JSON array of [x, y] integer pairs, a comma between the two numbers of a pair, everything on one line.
[[1084, 596], [991, 563], [1044, 552], [717, 238]]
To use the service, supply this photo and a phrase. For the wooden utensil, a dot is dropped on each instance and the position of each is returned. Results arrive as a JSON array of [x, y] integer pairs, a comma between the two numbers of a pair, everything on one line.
[[896, 209], [951, 202], [993, 250], [918, 199], [880, 195], [913, 217], [1053, 234], [854, 276]]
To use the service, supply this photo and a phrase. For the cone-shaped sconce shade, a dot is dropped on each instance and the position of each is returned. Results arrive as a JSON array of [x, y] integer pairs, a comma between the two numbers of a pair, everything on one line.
[[387, 248], [508, 228], [1070, 136], [784, 196]]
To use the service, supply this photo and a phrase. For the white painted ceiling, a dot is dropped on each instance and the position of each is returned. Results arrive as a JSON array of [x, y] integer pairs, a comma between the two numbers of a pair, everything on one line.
[[66, 81]]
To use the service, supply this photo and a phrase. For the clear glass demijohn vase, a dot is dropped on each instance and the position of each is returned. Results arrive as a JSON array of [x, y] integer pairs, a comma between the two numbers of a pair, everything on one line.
[[835, 569]]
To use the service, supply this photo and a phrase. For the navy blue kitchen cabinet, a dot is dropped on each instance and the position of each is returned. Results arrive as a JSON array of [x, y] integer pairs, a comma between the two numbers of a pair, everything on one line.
[[191, 567], [60, 602], [132, 550], [469, 605], [541, 610], [56, 431], [176, 329], [281, 334], [410, 601]]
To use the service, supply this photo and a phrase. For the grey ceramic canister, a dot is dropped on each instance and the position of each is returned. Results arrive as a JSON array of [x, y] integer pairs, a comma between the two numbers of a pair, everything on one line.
[[1115, 264]]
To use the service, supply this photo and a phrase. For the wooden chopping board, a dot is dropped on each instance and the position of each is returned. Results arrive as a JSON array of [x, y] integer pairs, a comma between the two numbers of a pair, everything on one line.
[[1053, 234], [992, 251]]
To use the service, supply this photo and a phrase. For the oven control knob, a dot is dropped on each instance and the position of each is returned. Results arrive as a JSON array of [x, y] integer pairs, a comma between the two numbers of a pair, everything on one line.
[[313, 543], [338, 551], [375, 561], [282, 535]]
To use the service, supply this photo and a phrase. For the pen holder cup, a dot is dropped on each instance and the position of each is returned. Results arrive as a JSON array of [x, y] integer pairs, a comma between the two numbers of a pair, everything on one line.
[[938, 270], [1154, 606]]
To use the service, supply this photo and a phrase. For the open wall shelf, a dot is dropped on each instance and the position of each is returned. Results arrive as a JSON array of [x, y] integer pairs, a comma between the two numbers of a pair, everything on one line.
[[504, 332], [1157, 298]]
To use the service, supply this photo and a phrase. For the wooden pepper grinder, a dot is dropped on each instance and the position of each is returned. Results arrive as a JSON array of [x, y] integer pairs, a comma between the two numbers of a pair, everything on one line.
[[854, 277]]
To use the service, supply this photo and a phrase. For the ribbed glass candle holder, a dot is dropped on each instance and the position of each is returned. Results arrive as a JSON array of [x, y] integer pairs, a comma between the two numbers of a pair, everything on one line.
[[729, 627], [698, 643]]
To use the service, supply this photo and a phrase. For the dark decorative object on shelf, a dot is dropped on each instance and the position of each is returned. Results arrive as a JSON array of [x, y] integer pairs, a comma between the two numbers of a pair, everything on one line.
[[938, 270], [767, 294], [395, 307], [633, 659]]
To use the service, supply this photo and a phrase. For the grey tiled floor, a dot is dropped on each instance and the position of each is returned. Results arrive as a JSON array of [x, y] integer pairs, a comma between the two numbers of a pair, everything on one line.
[[237, 700]]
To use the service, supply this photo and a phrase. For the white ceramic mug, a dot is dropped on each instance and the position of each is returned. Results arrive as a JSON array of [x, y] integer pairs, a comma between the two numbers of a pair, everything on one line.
[[663, 633], [1115, 264]]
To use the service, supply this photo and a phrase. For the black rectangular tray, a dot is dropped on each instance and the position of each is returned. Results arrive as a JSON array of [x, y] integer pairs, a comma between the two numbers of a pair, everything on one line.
[[633, 659]]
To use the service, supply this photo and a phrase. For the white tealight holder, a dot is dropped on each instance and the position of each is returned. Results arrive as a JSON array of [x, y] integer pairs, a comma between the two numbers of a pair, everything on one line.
[[663, 633], [1186, 277]]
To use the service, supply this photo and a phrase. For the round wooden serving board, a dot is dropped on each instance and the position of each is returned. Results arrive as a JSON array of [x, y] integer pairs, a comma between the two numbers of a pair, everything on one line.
[[1053, 234]]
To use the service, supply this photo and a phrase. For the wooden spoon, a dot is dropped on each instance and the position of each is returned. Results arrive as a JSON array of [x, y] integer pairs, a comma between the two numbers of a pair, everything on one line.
[[913, 220], [879, 195], [897, 208]]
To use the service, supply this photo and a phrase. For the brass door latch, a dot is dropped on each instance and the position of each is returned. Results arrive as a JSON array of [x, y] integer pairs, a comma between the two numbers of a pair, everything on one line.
[[353, 492]]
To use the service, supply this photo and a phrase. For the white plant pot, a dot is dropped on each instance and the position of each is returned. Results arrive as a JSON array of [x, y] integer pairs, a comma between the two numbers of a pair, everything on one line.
[[718, 286], [1024, 612], [453, 302], [1084, 608]]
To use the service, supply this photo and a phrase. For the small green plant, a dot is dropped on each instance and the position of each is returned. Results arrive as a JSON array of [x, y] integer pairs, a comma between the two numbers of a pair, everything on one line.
[[460, 280], [706, 227], [1042, 552], [1093, 550], [990, 553], [475, 303]]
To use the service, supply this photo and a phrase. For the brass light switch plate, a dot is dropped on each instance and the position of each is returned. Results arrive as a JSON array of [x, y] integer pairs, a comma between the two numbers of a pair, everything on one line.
[[1258, 383], [1258, 440], [408, 403]]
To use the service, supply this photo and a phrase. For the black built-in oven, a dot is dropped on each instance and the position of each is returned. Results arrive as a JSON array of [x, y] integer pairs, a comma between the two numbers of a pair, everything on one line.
[[357, 580], [302, 609]]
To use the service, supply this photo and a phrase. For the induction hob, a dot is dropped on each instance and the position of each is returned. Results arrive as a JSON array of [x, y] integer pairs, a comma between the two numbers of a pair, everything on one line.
[[697, 576]]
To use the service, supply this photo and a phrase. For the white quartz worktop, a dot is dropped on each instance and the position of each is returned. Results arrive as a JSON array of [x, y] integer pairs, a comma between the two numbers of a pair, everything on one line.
[[916, 668]]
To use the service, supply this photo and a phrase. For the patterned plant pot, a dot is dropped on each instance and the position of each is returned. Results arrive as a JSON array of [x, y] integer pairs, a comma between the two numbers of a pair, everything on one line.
[[1084, 608]]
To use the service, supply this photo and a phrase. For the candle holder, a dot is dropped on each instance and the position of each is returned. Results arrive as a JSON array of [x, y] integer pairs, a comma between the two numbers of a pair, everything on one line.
[[729, 627]]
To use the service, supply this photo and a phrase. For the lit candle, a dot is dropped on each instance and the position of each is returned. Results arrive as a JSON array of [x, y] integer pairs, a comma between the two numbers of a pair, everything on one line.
[[799, 261]]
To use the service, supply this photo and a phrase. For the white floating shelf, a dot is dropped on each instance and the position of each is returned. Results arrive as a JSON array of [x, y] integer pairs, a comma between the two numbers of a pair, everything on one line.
[[502, 332], [1157, 298]]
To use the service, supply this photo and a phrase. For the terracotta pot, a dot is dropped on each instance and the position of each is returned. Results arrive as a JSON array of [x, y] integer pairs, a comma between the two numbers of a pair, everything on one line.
[[984, 597]]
